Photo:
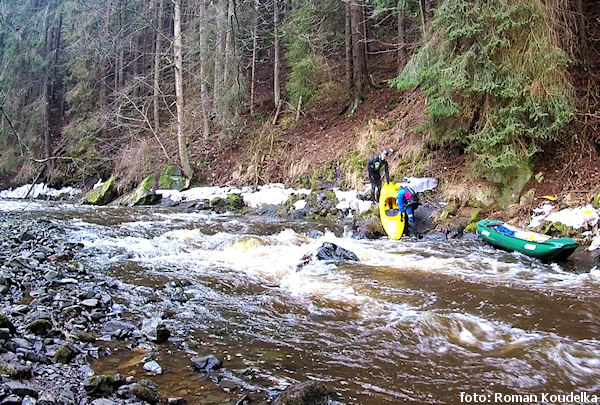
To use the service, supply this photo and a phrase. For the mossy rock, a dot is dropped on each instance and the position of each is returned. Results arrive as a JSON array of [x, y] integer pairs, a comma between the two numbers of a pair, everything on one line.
[[321, 204], [218, 204], [527, 198], [558, 229], [306, 393], [234, 202], [144, 194], [471, 228], [287, 208], [476, 215], [40, 327], [144, 393], [172, 178], [64, 355], [99, 385], [512, 187], [6, 323], [102, 195], [449, 210]]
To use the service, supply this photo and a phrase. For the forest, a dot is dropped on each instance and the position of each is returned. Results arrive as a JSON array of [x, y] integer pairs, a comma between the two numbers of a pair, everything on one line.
[[253, 91]]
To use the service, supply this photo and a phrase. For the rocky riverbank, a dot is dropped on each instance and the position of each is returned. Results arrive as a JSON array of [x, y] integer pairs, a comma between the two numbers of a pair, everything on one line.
[[58, 316]]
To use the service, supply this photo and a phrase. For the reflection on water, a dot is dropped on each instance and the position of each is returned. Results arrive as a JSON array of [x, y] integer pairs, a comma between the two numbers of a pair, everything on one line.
[[418, 322]]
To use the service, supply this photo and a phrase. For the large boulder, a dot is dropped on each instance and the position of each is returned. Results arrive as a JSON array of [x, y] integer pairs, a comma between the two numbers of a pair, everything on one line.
[[102, 193], [172, 178], [144, 194]]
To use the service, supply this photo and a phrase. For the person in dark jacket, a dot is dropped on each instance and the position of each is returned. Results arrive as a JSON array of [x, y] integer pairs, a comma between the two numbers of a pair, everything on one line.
[[408, 201], [374, 169]]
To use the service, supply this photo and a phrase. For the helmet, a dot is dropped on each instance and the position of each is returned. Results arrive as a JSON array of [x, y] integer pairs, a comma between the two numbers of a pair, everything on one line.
[[387, 152]]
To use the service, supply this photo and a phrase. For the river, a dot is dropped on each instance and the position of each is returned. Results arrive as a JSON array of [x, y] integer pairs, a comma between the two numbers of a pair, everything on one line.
[[418, 322]]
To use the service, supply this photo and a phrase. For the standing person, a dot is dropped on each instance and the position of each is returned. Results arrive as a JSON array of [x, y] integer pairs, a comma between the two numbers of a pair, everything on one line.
[[374, 168], [408, 201]]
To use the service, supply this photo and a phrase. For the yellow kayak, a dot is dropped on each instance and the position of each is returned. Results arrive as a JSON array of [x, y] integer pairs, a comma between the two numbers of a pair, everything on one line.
[[391, 219]]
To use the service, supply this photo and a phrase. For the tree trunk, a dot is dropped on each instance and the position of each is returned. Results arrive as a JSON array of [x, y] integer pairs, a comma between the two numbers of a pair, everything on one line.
[[203, 78], [48, 38], [121, 52], [402, 52], [178, 56], [423, 18], [276, 62], [220, 16], [229, 47], [348, 37], [157, 68], [254, 46], [359, 62], [581, 30], [102, 91]]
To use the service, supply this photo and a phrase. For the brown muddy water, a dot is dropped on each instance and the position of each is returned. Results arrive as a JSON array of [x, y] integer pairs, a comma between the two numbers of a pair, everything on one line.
[[417, 322]]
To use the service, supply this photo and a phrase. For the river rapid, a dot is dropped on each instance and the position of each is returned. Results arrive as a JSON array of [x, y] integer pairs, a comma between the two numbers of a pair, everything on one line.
[[413, 321]]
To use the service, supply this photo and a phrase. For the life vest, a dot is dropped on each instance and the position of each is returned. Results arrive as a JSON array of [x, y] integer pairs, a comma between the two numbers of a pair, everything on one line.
[[410, 196]]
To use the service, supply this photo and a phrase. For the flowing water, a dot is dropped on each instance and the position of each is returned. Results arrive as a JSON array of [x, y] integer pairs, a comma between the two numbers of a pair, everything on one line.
[[412, 321]]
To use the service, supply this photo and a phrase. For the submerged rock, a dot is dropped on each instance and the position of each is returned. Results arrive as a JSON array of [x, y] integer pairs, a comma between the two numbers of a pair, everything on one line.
[[206, 363], [306, 393]]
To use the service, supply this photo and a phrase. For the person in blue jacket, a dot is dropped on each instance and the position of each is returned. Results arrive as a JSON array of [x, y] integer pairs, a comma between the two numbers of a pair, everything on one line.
[[408, 201], [374, 169]]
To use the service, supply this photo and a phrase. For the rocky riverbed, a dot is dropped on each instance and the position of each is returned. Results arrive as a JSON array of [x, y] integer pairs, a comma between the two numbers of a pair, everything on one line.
[[58, 316]]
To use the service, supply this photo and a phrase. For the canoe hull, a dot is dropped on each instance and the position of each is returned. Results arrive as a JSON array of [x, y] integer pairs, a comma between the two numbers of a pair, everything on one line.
[[550, 250], [391, 219]]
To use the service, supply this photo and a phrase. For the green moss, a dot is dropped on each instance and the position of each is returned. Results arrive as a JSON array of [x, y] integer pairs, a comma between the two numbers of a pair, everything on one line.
[[476, 215], [144, 393], [596, 201], [6, 323], [235, 202], [471, 228], [102, 195], [144, 194], [40, 327], [449, 210], [64, 355], [172, 178]]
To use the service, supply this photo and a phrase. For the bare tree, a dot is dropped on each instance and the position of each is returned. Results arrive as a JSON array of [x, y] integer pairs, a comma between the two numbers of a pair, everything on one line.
[[402, 52], [359, 61], [276, 62], [178, 56], [203, 77], [157, 54], [348, 37], [254, 49]]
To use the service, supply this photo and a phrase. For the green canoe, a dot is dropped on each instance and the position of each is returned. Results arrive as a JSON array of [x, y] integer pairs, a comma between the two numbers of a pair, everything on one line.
[[508, 237]]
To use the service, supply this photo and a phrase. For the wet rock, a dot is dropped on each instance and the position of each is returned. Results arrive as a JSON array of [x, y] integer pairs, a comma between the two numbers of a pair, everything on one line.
[[145, 392], [7, 323], [47, 399], [21, 343], [64, 354], [11, 400], [153, 367], [28, 401], [51, 275], [306, 393], [435, 236], [90, 303], [71, 311], [97, 315], [66, 397], [206, 363], [41, 327], [103, 401], [16, 371], [176, 401], [83, 336], [330, 251], [35, 357], [4, 334], [21, 389], [99, 385]]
